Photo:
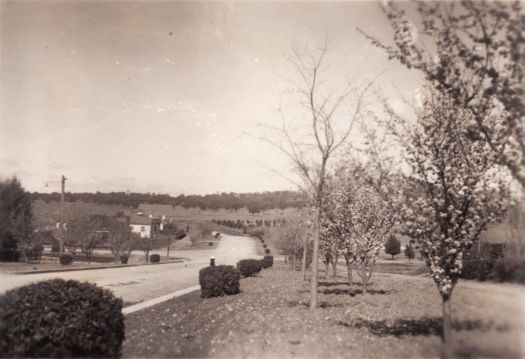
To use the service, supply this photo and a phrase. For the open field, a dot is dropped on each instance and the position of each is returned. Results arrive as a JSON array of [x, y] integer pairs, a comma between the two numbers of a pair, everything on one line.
[[400, 317], [48, 213]]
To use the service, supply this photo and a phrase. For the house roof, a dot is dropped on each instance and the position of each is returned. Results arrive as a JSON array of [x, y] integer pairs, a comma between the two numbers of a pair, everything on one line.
[[135, 219], [143, 220]]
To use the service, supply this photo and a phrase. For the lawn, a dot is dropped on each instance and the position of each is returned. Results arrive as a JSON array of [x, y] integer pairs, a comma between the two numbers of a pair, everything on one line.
[[400, 317]]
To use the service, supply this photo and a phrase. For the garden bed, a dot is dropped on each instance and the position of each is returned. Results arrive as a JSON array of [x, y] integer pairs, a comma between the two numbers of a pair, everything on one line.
[[400, 317]]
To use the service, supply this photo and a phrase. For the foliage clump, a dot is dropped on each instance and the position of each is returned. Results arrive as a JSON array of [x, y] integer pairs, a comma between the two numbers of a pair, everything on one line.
[[217, 281], [267, 262], [499, 270], [9, 255], [59, 318], [249, 267], [392, 246], [410, 252], [154, 258], [65, 259]]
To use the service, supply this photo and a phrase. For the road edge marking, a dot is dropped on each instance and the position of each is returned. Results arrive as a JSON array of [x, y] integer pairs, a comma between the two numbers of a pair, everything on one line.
[[149, 303]]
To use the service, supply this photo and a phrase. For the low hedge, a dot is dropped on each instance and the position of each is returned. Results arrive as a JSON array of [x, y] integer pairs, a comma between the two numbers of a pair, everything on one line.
[[154, 258], [59, 318], [249, 267], [217, 281], [267, 261], [124, 259], [9, 255], [499, 270]]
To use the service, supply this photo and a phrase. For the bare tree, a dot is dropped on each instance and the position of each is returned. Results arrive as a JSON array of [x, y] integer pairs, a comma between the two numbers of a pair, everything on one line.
[[118, 237], [289, 239], [88, 232], [311, 152], [170, 231]]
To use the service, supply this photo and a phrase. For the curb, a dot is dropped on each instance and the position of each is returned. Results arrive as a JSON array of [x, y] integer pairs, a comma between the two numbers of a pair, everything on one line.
[[101, 267], [148, 303]]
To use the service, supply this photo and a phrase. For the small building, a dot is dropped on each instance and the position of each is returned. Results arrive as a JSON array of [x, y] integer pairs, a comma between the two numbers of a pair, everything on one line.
[[146, 226]]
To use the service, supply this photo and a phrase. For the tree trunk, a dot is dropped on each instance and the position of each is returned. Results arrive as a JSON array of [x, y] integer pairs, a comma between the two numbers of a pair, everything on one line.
[[334, 265], [293, 263], [315, 261], [327, 265], [364, 278], [349, 269], [303, 261], [447, 327]]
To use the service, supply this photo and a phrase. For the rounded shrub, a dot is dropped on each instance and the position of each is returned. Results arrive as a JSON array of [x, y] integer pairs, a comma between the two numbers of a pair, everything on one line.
[[265, 245], [217, 281], [59, 318], [210, 244], [267, 261], [154, 258], [249, 267], [124, 259], [65, 259], [267, 251]]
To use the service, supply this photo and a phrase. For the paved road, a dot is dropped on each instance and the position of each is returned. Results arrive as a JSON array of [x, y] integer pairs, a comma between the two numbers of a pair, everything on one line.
[[135, 284]]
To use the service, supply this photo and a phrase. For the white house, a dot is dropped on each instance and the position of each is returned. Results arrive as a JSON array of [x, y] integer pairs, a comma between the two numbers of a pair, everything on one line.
[[146, 226]]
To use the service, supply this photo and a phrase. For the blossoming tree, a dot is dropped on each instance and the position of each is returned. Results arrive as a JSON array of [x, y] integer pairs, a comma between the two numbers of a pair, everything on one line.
[[473, 52], [356, 220], [457, 189]]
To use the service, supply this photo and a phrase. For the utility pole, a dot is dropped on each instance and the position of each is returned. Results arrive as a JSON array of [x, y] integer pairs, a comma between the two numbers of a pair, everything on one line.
[[62, 230]]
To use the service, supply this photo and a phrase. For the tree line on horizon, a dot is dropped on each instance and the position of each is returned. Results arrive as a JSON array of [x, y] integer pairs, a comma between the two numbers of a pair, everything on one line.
[[255, 202]]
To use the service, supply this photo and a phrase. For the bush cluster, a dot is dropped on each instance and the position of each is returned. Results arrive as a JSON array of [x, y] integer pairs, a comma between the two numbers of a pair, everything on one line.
[[267, 261], [124, 259], [249, 267], [267, 251], [154, 258], [499, 270], [9, 255], [59, 318], [65, 259], [216, 281]]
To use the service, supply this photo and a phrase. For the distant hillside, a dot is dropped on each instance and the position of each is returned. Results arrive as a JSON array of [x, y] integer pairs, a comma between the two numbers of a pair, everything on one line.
[[254, 202]]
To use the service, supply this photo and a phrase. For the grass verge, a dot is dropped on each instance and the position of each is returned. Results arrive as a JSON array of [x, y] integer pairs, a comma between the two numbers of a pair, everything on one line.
[[400, 317]]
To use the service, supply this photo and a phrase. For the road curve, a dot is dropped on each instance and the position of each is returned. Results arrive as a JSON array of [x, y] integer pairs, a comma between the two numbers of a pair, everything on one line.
[[136, 284]]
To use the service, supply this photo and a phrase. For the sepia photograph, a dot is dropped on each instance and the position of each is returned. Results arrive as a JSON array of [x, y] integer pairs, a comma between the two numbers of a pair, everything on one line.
[[262, 179]]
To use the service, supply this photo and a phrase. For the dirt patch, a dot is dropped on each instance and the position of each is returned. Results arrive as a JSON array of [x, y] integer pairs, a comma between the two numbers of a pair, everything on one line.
[[400, 317]]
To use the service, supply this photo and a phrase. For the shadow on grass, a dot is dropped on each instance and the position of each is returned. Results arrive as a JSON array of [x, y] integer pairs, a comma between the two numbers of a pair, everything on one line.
[[333, 284], [323, 305], [419, 327], [353, 291]]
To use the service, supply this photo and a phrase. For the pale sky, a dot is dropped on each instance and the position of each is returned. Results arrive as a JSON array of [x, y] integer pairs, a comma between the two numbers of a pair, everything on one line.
[[160, 96]]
